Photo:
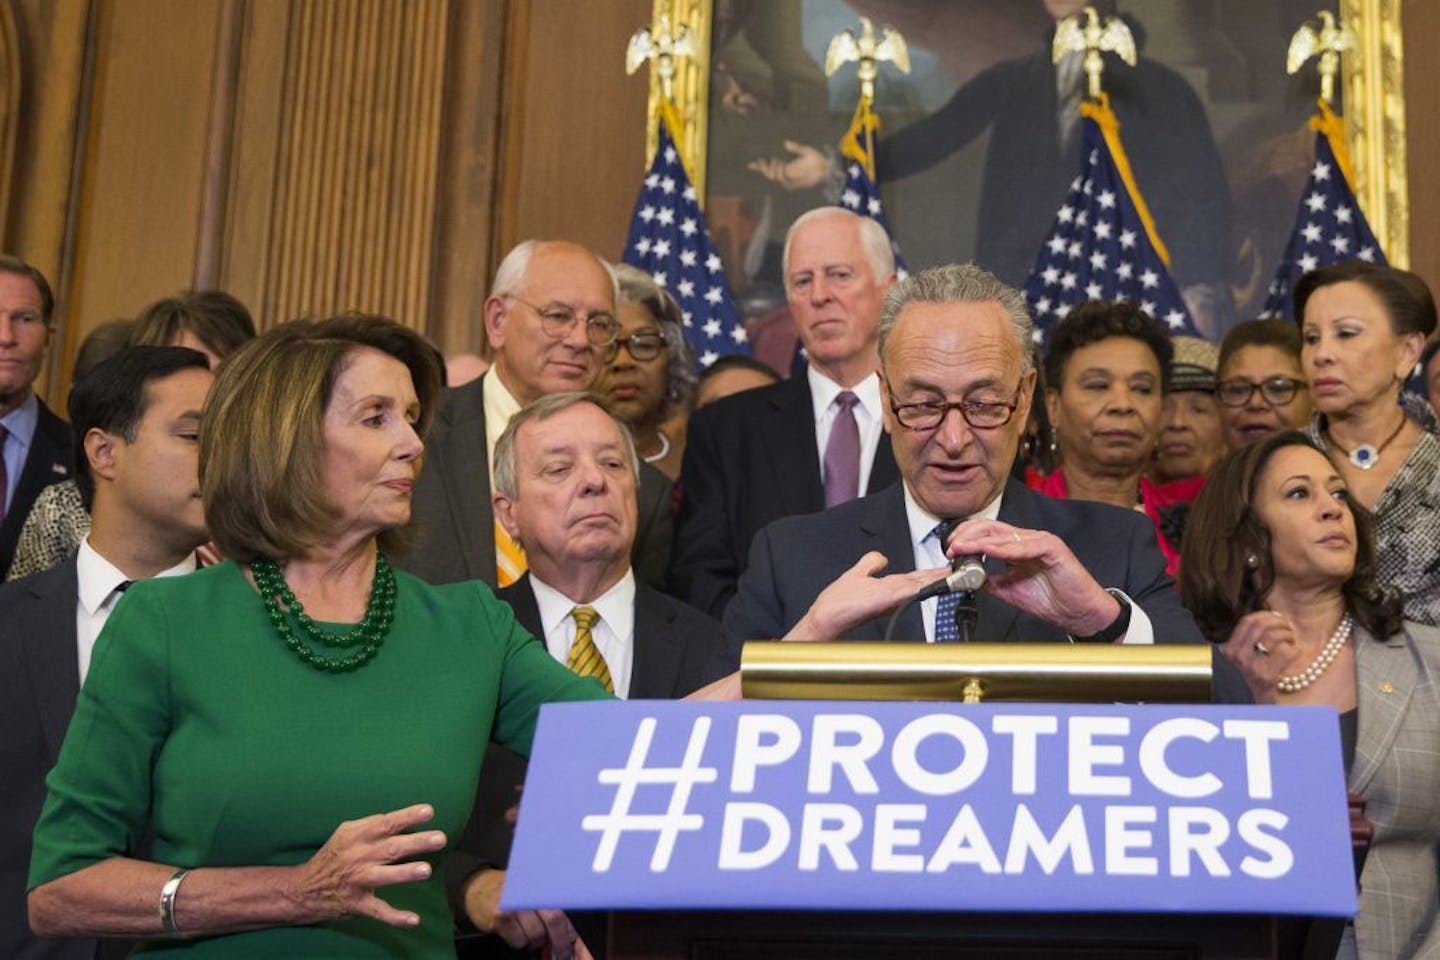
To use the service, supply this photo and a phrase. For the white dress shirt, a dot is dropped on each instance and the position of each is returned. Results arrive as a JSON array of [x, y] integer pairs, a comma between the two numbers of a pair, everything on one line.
[[868, 418], [100, 582], [613, 633], [930, 552]]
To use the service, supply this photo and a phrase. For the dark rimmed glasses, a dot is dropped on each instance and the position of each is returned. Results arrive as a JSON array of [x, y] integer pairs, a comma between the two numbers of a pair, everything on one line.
[[1277, 391], [980, 414], [643, 344], [556, 321]]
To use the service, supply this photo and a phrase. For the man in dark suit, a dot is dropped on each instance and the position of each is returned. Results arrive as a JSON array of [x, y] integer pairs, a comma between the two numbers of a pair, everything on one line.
[[36, 447], [550, 322], [138, 416], [565, 473], [801, 445], [958, 383]]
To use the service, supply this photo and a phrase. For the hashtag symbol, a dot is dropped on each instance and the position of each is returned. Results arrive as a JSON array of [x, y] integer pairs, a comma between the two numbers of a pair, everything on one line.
[[666, 826]]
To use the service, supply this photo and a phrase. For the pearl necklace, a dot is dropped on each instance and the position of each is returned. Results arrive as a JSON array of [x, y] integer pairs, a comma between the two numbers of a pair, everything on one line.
[[664, 448], [1303, 679]]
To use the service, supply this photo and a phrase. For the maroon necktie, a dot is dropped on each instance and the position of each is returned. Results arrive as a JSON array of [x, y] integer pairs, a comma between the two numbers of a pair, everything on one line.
[[842, 453]]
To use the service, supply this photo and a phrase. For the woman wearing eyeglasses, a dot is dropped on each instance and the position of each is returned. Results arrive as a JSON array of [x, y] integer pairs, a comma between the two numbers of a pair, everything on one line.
[[1106, 373], [1362, 331], [1262, 388], [649, 377]]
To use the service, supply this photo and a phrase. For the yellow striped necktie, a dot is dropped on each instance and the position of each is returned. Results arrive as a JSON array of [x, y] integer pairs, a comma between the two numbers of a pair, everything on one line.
[[509, 558], [584, 657]]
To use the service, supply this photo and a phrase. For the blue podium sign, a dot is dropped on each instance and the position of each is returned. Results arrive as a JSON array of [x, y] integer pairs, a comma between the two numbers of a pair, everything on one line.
[[916, 806]]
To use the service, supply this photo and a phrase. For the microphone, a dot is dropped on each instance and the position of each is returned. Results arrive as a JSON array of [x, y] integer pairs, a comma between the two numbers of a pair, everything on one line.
[[967, 574]]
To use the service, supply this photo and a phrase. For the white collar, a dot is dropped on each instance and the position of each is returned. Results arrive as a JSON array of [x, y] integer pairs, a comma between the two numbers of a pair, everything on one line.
[[99, 578], [823, 392], [616, 606], [923, 522]]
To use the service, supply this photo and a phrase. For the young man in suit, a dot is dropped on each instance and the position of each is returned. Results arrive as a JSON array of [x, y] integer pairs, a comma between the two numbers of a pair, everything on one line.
[[36, 446], [802, 445], [565, 474], [550, 324], [137, 416], [958, 383]]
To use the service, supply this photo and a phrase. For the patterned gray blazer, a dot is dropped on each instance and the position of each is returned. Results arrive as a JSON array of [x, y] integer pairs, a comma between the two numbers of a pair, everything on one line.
[[1397, 770]]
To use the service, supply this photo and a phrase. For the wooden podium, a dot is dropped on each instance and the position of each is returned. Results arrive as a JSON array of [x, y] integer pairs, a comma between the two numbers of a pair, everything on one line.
[[1026, 672], [844, 935]]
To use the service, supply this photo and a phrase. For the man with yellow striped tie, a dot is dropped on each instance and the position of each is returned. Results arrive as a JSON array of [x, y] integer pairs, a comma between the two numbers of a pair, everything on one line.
[[549, 326], [565, 476]]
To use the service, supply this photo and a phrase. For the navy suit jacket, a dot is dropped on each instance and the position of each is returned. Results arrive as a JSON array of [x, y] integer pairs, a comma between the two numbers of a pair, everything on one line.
[[750, 459], [794, 559], [39, 680], [50, 460], [676, 650], [453, 519]]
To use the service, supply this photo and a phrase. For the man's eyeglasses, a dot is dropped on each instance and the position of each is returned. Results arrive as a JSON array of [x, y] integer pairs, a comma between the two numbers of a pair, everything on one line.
[[601, 329], [980, 414], [1277, 391], [644, 345]]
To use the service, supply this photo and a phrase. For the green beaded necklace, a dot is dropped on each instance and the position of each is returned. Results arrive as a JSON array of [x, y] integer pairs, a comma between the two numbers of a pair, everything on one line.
[[368, 634]]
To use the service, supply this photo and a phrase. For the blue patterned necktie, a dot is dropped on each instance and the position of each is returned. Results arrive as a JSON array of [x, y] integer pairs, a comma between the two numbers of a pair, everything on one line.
[[945, 629]]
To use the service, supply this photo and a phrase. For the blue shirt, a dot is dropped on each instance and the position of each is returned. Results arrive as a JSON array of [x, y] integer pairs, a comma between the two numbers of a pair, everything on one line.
[[19, 427]]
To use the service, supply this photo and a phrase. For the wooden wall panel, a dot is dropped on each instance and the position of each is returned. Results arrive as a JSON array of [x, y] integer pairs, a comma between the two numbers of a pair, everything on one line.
[[469, 171], [573, 130], [144, 157], [1420, 22], [351, 224]]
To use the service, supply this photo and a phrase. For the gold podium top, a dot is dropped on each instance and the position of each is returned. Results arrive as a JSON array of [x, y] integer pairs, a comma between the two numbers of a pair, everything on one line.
[[971, 672]]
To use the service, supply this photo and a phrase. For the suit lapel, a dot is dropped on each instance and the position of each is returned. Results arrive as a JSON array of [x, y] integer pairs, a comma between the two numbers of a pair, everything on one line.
[[1385, 678], [466, 476], [887, 528], [787, 433], [655, 657], [996, 618], [48, 461], [521, 597], [47, 631]]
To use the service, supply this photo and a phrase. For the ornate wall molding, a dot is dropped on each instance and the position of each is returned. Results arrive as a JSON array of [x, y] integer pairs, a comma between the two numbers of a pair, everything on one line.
[[1374, 76], [353, 216]]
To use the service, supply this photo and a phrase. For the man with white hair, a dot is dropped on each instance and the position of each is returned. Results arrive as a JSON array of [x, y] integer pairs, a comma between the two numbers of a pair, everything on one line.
[[807, 443], [550, 324]]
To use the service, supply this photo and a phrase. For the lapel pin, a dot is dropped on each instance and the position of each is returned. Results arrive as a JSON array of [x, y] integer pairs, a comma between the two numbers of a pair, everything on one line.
[[1386, 686]]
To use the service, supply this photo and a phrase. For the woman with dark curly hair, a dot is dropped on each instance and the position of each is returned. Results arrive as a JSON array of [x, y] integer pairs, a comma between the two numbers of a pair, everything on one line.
[[1107, 371], [1279, 568]]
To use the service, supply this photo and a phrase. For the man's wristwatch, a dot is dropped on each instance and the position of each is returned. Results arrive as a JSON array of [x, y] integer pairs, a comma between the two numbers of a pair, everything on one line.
[[1117, 627]]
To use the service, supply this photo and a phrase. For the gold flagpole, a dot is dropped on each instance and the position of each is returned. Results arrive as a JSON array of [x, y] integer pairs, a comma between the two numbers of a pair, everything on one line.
[[869, 51]]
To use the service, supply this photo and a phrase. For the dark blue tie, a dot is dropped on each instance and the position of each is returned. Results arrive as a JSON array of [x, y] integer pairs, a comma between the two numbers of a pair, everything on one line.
[[945, 629]]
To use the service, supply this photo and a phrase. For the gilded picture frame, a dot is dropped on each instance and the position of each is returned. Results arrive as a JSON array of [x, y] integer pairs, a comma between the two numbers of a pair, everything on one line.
[[1372, 85]]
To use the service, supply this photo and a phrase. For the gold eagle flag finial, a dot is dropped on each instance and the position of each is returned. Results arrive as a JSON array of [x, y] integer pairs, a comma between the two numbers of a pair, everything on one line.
[[1087, 32], [660, 45], [1329, 41], [869, 51]]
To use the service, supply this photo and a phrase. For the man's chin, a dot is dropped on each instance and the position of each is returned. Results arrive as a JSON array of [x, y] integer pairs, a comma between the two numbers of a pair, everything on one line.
[[956, 498]]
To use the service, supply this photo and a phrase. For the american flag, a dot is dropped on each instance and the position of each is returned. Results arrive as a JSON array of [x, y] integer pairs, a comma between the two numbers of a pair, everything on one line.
[[861, 193], [1329, 226], [668, 240], [1100, 247]]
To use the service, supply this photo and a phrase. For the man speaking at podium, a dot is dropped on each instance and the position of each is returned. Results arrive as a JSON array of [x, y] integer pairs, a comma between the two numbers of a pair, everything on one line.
[[957, 381]]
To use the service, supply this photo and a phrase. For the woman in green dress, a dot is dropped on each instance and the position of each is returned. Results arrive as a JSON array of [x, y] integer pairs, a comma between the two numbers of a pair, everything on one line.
[[301, 727]]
